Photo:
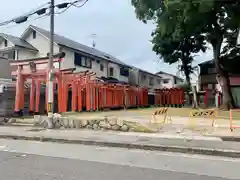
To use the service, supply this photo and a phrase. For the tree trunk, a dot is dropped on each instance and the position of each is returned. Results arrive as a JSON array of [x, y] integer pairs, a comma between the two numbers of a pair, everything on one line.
[[223, 79], [189, 88], [188, 80]]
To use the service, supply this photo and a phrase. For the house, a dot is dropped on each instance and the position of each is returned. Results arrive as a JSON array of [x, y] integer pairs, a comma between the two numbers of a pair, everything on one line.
[[144, 78], [12, 47], [207, 75], [34, 43], [169, 80], [5, 70]]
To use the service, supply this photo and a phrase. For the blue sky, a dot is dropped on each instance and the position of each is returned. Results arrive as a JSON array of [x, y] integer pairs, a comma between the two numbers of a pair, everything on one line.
[[117, 30]]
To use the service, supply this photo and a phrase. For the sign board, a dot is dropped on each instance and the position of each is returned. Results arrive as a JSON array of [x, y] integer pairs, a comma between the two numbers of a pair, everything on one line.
[[33, 66], [50, 107]]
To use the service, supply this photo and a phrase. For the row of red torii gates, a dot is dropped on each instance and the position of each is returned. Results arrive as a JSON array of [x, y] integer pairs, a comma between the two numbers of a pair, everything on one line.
[[87, 91]]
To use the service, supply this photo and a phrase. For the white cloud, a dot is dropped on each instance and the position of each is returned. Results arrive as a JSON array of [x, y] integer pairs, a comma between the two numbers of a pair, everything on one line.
[[117, 30]]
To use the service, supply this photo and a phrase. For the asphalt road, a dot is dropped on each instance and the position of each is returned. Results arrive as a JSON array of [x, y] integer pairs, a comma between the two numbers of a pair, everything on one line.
[[25, 160]]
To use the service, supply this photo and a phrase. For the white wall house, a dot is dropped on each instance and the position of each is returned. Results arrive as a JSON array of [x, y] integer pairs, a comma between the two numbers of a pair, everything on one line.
[[34, 43], [5, 69], [146, 79], [169, 80], [14, 48]]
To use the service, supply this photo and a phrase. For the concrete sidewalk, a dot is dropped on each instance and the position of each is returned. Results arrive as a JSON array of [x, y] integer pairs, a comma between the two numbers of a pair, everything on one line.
[[159, 142]]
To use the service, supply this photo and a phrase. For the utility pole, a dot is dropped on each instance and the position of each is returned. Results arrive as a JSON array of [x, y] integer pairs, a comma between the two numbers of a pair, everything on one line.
[[50, 70]]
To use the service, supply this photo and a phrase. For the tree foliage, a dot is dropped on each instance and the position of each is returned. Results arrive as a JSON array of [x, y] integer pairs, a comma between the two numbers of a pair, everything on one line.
[[200, 21]]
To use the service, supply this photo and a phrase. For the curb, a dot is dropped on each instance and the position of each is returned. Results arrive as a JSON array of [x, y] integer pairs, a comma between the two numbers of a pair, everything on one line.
[[230, 138], [166, 148]]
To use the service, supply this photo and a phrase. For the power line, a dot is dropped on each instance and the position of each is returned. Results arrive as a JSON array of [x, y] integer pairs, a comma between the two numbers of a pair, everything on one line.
[[41, 11], [34, 19], [72, 4], [25, 14]]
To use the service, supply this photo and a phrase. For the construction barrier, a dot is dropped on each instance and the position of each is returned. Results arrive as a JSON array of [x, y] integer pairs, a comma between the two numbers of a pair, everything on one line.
[[163, 114], [202, 114], [231, 119], [173, 97]]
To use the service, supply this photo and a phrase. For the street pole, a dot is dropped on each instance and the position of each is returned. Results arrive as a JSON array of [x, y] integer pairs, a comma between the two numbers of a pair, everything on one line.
[[50, 70]]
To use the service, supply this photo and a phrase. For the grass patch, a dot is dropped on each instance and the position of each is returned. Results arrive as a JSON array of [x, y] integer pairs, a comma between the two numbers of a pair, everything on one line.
[[137, 127]]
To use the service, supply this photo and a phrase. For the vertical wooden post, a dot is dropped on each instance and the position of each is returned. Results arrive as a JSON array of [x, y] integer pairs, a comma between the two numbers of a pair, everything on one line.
[[22, 84], [80, 104], [93, 96], [18, 90], [74, 97], [88, 94], [65, 97], [32, 94], [59, 94], [46, 97], [38, 94]]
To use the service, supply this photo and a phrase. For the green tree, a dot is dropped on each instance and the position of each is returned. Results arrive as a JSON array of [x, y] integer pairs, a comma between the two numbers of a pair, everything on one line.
[[217, 21], [173, 50]]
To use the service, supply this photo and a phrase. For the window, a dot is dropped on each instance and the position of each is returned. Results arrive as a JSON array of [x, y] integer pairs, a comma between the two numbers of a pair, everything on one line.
[[175, 80], [34, 34], [111, 71], [124, 72], [5, 55], [165, 81], [143, 77], [5, 43], [150, 81], [9, 55], [159, 81], [101, 67], [211, 70], [83, 61]]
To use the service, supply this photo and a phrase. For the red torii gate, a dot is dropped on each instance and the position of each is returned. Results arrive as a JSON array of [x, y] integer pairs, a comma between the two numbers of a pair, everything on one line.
[[86, 91], [34, 71]]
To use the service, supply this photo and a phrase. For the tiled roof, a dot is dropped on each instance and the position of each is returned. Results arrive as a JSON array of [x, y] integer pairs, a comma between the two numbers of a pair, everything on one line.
[[61, 40]]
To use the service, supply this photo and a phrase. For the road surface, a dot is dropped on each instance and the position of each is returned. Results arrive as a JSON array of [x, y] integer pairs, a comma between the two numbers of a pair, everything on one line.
[[26, 160]]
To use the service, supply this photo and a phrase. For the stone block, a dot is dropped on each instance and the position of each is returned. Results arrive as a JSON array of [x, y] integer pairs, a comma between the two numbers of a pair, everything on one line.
[[120, 122], [89, 127], [91, 122], [57, 124], [71, 123], [78, 124], [12, 120], [113, 120], [65, 122], [37, 119], [115, 127], [84, 123], [96, 127], [124, 128], [103, 124]]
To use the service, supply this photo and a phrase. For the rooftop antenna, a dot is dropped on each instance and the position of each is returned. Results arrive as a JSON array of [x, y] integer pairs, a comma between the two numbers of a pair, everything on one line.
[[93, 41]]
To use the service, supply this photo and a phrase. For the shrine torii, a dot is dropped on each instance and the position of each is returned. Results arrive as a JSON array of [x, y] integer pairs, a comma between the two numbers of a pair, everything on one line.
[[35, 71]]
